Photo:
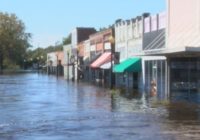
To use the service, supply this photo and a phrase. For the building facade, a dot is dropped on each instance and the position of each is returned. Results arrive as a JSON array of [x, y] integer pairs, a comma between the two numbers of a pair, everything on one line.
[[183, 48], [55, 62], [171, 51], [163, 48], [100, 45], [128, 43], [154, 66], [79, 34]]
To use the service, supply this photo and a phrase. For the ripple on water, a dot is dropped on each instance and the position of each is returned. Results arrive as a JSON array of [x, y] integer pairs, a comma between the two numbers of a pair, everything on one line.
[[42, 107]]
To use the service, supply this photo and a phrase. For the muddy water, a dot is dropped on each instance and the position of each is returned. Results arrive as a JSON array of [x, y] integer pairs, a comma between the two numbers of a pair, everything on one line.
[[38, 107]]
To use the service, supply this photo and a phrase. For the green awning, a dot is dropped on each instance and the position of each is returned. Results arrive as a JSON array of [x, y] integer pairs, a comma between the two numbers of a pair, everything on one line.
[[129, 65]]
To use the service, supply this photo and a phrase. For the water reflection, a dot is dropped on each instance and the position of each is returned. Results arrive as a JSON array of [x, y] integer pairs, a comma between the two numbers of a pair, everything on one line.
[[128, 103], [183, 111], [38, 107], [191, 97]]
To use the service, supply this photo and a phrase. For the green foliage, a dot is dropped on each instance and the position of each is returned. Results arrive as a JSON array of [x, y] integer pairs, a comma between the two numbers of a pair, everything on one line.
[[41, 53], [14, 41], [10, 65], [67, 40]]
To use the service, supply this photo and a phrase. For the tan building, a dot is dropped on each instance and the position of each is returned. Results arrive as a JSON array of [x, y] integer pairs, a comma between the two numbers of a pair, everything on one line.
[[183, 47], [101, 47], [55, 60]]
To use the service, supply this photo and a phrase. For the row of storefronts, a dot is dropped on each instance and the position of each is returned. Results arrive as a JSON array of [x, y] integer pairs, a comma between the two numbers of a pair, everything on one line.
[[135, 53]]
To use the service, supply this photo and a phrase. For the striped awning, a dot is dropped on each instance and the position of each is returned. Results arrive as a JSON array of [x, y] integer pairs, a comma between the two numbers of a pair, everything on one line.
[[104, 58]]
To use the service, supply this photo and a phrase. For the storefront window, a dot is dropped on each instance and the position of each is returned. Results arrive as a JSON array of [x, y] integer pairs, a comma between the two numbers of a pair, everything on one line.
[[185, 78], [155, 70]]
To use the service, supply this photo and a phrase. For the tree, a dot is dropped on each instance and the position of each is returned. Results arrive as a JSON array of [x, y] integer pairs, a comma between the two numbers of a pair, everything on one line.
[[14, 41], [67, 40], [33, 55]]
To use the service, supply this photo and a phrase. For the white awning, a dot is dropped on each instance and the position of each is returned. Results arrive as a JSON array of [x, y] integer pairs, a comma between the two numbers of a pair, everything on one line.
[[106, 65]]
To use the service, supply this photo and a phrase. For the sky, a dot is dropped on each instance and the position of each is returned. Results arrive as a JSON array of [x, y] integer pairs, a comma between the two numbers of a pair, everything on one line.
[[51, 20]]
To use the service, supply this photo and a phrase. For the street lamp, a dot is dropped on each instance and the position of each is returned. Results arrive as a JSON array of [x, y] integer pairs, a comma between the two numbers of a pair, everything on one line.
[[38, 58], [112, 78], [41, 62], [72, 61], [57, 65], [24, 63], [67, 65]]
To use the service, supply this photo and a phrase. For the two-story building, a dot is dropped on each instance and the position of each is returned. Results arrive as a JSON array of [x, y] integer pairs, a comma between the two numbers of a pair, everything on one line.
[[183, 48], [78, 35], [128, 42], [101, 48], [171, 46]]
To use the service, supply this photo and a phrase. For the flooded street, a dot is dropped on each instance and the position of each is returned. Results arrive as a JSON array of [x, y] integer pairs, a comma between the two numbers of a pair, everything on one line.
[[38, 107]]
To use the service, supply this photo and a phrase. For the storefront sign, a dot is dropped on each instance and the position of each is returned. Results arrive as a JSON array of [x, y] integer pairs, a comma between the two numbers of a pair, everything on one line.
[[107, 46], [93, 48]]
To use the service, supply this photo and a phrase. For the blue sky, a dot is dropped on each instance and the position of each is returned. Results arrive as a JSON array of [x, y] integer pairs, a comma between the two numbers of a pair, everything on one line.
[[51, 20]]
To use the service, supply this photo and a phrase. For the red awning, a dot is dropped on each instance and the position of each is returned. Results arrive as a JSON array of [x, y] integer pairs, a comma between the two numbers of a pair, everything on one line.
[[104, 58]]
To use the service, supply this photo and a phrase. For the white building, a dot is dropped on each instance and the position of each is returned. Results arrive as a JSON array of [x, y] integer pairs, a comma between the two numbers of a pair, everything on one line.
[[128, 42], [67, 49], [173, 52]]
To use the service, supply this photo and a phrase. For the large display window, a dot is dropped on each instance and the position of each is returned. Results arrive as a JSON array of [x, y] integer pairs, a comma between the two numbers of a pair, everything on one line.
[[156, 70], [185, 77]]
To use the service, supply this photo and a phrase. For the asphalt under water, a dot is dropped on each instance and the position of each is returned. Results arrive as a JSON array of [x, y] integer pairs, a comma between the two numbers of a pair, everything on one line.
[[41, 107]]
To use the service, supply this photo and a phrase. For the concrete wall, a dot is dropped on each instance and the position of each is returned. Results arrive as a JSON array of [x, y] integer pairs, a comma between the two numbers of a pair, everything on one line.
[[183, 28], [128, 37]]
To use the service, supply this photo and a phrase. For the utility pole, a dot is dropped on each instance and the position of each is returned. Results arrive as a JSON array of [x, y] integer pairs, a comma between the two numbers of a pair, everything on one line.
[[112, 75], [67, 65]]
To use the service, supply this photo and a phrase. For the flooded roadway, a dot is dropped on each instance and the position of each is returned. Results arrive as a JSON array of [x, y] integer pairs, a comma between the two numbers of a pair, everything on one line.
[[38, 107]]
